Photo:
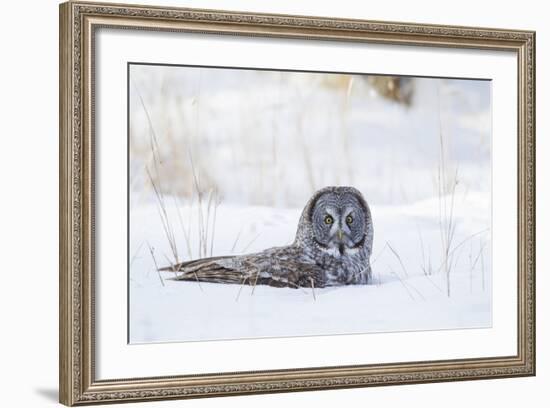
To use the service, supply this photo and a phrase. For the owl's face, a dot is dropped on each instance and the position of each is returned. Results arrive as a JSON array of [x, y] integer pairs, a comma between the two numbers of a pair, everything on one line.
[[338, 220]]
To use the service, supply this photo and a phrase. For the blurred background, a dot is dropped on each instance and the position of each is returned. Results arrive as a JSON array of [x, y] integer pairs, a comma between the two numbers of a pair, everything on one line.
[[271, 138]]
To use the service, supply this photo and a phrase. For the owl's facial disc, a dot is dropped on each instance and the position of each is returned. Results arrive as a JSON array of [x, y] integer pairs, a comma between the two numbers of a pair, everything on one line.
[[338, 225], [340, 238]]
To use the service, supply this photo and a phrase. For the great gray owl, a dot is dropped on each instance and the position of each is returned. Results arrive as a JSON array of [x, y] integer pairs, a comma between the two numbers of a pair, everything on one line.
[[332, 247]]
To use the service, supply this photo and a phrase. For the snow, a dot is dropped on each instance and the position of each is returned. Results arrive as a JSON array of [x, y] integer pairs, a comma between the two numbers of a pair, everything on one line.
[[164, 310], [182, 312]]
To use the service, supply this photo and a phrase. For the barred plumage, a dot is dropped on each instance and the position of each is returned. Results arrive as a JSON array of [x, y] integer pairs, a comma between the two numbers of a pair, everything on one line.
[[332, 247]]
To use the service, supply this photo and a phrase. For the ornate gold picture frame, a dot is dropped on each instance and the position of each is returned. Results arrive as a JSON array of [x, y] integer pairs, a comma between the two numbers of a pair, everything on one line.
[[79, 24]]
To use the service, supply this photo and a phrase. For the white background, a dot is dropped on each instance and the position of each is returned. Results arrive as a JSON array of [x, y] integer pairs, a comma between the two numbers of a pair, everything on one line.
[[28, 220]]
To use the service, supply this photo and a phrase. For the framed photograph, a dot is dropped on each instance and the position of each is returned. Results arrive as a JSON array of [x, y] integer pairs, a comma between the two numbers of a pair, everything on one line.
[[256, 203]]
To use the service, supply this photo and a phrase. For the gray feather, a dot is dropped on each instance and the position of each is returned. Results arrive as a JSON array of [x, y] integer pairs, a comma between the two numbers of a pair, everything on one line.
[[323, 253]]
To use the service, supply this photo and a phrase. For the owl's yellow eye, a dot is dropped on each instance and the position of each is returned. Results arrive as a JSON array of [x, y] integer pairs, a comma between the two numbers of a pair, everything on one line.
[[329, 220], [349, 219]]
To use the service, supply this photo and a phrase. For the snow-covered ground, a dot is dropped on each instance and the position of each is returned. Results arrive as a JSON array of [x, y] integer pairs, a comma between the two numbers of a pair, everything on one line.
[[403, 296]]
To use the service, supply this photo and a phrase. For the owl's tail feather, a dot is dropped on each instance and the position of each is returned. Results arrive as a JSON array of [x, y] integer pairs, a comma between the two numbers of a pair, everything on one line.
[[216, 270]]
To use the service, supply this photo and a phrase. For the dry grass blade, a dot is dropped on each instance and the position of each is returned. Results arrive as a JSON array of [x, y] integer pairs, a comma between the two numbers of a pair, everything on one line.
[[482, 273], [201, 244], [404, 271], [478, 257], [153, 140], [426, 266], [152, 251], [379, 254], [255, 280], [185, 231], [398, 258], [154, 180], [446, 220], [217, 202], [207, 228], [476, 260], [241, 287], [165, 220], [136, 254], [251, 242], [306, 152], [433, 283], [459, 245], [313, 288], [236, 240], [469, 237], [402, 283], [172, 266]]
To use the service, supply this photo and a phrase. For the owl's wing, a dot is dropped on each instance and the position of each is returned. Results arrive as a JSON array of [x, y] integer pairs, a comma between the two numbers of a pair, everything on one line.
[[293, 273], [218, 269], [278, 267]]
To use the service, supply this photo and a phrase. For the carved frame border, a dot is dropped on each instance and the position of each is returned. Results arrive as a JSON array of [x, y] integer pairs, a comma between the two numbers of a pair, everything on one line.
[[78, 20]]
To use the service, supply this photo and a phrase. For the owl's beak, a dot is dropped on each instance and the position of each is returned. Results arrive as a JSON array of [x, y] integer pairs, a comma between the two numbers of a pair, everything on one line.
[[340, 234]]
